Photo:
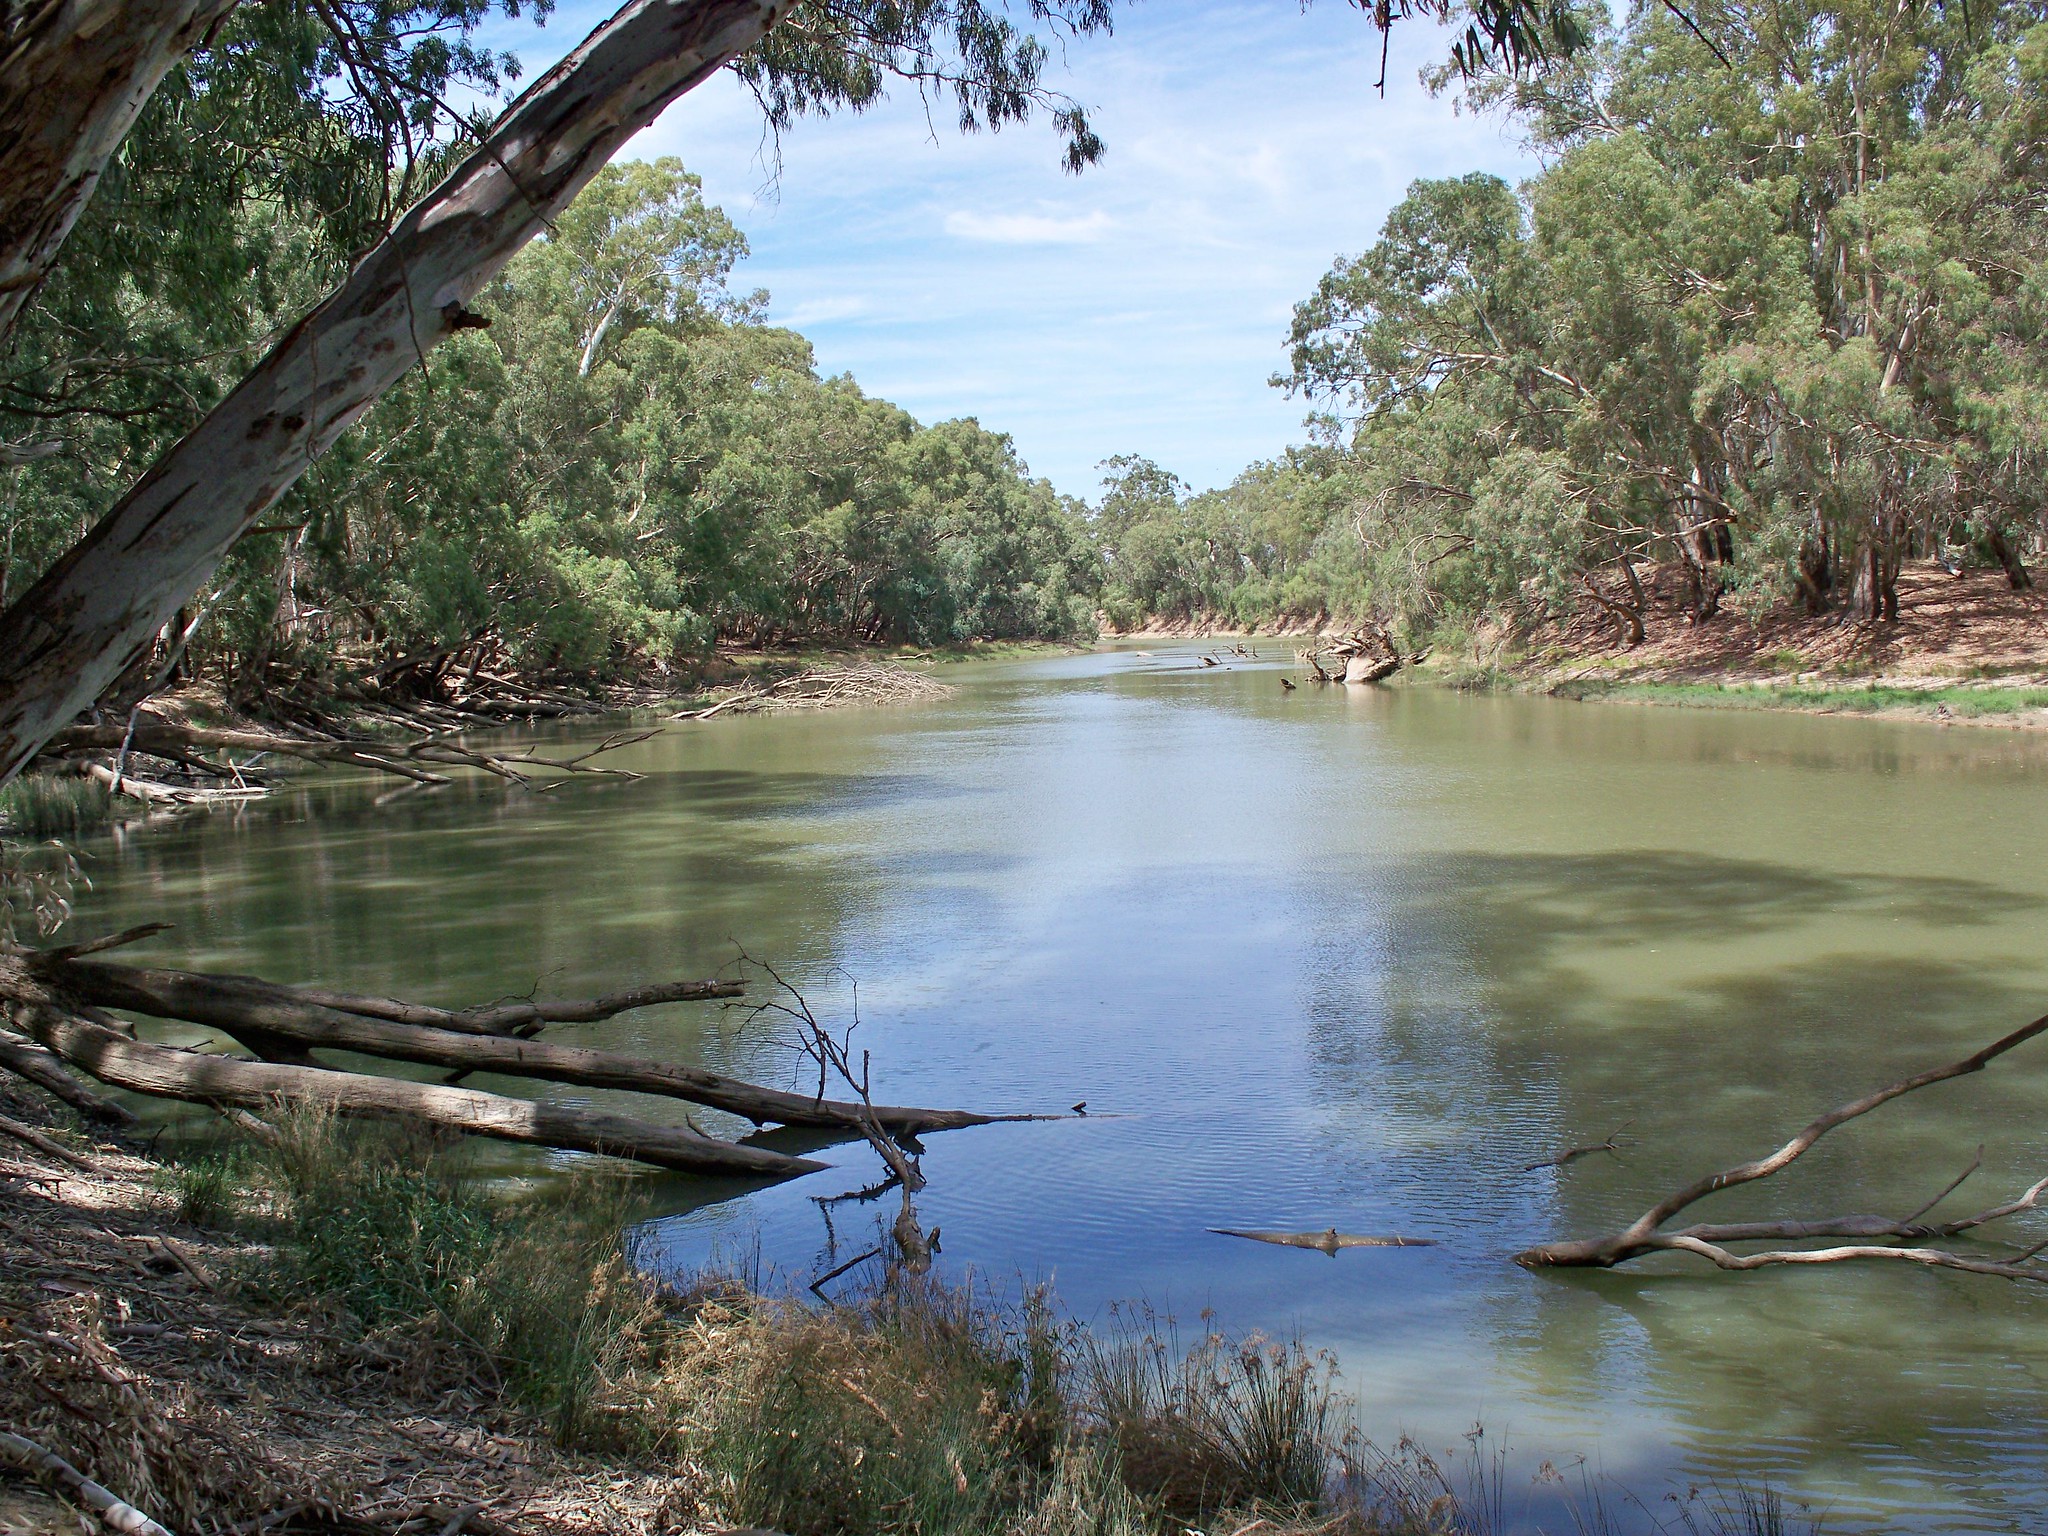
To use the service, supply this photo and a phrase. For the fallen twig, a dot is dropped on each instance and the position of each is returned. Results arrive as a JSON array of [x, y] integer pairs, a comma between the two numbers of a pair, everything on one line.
[[1614, 1144]]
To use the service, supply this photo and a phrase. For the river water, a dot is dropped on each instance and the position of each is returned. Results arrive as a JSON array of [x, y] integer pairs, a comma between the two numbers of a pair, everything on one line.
[[1348, 958]]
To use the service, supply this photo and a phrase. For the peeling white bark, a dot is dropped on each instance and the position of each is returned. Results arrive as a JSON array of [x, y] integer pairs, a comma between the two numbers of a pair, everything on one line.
[[73, 76]]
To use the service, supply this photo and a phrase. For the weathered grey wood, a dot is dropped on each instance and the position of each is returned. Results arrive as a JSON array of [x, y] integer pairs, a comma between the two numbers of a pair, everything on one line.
[[228, 1082], [73, 76], [248, 1007], [1647, 1233], [40, 1066], [115, 1512], [99, 606]]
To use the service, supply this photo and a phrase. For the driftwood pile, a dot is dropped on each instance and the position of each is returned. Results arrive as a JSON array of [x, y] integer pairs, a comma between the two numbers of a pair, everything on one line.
[[58, 1000], [1366, 655], [828, 687], [165, 763]]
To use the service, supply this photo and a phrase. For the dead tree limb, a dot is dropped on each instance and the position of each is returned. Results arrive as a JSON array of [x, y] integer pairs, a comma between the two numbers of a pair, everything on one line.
[[1647, 1233], [1614, 1144], [28, 1135], [150, 736], [1329, 1241], [41, 1066], [227, 1082], [114, 1512], [259, 1013]]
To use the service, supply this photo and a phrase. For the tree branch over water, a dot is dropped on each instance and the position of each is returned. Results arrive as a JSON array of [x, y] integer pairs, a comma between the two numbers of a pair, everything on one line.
[[1648, 1233]]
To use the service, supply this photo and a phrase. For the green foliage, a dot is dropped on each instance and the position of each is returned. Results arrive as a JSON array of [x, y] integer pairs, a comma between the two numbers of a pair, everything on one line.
[[382, 1223], [1780, 321]]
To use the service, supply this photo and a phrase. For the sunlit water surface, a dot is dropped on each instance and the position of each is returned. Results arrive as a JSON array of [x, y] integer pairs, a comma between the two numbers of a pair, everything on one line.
[[1326, 958]]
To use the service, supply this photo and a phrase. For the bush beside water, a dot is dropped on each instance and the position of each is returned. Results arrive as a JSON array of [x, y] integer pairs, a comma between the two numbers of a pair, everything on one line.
[[915, 1407]]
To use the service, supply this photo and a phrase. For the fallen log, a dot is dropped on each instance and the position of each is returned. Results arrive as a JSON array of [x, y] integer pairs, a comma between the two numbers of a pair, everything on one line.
[[245, 1006], [1329, 1241], [1648, 1234], [116, 1513], [38, 1065], [153, 736], [28, 1135], [228, 1082]]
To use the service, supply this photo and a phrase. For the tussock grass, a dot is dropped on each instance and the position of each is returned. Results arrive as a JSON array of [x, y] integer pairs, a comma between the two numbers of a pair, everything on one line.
[[54, 805], [538, 1302], [1228, 1424], [205, 1190], [912, 1409]]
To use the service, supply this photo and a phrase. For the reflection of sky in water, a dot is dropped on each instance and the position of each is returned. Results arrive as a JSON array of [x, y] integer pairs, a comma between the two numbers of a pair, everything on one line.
[[1331, 958]]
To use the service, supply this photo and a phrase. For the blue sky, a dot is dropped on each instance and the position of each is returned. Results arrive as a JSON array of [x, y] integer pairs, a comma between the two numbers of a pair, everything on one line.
[[1137, 308]]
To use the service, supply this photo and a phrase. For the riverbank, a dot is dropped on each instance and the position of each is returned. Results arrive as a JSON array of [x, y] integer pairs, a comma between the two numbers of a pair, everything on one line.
[[166, 767], [337, 1333], [1966, 649], [334, 1331]]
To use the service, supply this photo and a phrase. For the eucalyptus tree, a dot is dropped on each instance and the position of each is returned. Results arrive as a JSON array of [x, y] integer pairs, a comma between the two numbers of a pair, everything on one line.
[[1772, 309]]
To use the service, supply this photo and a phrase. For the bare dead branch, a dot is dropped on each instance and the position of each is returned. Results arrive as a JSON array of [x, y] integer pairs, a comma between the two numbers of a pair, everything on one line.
[[115, 1513], [1647, 1235], [1614, 1144]]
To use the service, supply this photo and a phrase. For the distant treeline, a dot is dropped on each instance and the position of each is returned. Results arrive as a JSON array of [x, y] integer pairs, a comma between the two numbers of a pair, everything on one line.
[[620, 464], [1777, 309]]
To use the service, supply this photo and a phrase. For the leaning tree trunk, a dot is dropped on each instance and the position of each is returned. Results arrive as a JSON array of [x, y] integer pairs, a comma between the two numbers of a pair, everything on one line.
[[93, 612], [73, 77], [2008, 558]]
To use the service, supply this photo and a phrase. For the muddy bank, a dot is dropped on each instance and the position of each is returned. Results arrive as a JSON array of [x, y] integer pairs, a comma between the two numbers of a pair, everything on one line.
[[1965, 649]]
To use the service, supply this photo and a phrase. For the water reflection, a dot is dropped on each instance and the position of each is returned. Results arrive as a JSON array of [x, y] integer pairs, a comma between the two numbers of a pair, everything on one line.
[[1341, 957]]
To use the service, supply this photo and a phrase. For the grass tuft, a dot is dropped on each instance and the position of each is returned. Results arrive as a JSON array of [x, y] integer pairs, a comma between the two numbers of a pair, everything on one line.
[[54, 805], [912, 1409]]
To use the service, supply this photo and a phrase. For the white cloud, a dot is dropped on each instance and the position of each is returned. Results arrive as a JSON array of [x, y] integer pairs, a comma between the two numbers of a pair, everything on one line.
[[820, 310], [1028, 228]]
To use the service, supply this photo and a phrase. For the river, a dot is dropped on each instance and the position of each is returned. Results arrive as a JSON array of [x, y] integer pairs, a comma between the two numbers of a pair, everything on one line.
[[1330, 957]]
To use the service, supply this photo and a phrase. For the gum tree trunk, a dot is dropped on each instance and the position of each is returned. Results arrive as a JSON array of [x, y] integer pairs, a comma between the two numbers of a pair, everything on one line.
[[74, 74], [99, 606]]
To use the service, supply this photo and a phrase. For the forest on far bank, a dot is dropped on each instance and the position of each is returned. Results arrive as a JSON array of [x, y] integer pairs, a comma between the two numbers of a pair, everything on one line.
[[1773, 313]]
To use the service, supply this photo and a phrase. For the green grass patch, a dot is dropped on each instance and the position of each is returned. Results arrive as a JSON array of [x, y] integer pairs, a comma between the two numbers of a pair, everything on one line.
[[55, 805], [1867, 698], [914, 1408]]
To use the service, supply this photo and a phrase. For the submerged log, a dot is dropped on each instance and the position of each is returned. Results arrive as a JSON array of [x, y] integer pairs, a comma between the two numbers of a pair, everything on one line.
[[1329, 1241]]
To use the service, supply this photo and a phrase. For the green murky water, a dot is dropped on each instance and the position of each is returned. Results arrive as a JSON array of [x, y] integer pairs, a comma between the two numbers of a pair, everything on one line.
[[1323, 958]]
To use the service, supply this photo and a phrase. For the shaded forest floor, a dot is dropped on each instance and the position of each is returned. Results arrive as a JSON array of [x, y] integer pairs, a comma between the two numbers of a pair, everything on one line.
[[1964, 648]]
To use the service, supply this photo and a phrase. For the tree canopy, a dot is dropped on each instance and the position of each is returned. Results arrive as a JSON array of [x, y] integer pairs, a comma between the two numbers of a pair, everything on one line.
[[1774, 309]]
